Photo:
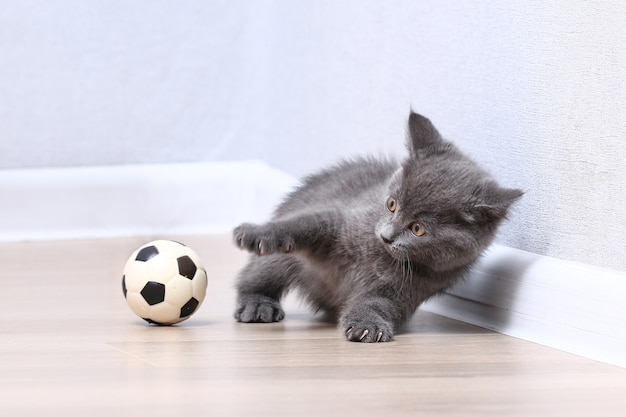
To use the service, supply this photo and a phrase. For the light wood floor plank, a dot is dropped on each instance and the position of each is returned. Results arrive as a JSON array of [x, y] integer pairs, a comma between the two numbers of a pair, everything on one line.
[[70, 346]]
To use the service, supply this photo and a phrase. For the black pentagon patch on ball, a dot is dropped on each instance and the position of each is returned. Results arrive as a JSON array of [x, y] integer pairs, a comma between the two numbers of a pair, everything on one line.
[[189, 307], [124, 285], [152, 321], [153, 292], [147, 253], [186, 267]]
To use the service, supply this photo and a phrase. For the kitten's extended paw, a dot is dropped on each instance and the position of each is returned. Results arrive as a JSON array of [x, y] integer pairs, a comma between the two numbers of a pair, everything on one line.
[[262, 240], [258, 309], [369, 329]]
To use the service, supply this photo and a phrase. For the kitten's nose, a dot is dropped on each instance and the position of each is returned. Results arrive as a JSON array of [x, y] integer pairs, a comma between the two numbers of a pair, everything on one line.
[[386, 240], [386, 233]]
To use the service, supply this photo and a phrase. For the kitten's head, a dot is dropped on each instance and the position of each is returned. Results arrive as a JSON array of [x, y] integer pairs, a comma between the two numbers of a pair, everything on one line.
[[441, 210]]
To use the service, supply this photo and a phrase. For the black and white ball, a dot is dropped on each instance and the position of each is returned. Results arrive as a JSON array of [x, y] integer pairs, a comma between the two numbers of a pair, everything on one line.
[[164, 282]]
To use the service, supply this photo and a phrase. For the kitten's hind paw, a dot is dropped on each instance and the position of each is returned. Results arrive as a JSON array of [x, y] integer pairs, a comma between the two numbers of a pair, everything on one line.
[[258, 309], [261, 240]]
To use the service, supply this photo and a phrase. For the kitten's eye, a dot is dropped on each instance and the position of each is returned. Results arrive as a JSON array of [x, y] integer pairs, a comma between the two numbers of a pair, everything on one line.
[[391, 204], [417, 229]]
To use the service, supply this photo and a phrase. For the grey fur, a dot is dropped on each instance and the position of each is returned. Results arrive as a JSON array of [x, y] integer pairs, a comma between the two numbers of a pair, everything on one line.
[[337, 241]]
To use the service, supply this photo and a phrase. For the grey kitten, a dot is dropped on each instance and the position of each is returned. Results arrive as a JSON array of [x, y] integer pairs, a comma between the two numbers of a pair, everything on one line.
[[368, 240]]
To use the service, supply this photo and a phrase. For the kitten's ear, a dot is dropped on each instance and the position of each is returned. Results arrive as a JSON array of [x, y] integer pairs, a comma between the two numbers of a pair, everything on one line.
[[491, 205], [422, 134]]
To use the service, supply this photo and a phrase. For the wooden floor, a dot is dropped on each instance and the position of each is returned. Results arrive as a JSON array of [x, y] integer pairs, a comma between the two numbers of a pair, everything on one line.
[[69, 345]]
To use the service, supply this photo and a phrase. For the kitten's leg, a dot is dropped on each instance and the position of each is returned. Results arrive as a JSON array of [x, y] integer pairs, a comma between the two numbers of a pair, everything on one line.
[[314, 233], [260, 286]]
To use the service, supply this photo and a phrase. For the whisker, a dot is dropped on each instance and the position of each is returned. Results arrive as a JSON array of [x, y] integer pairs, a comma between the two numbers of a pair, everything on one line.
[[403, 264]]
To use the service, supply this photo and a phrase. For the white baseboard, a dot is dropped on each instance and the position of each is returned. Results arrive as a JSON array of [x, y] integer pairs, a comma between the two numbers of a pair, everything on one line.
[[87, 202], [565, 305], [569, 306]]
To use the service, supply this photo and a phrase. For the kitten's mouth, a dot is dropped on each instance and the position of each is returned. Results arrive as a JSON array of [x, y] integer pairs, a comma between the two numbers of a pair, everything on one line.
[[397, 251]]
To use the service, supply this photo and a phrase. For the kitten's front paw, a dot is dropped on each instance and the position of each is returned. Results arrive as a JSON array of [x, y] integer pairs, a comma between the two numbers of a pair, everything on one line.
[[261, 240], [258, 309], [367, 329]]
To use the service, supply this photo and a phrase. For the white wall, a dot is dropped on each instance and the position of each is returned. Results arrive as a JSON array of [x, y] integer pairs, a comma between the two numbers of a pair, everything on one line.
[[534, 90]]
